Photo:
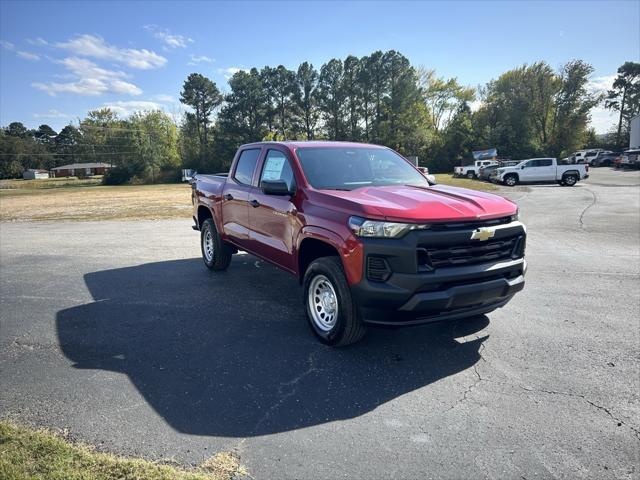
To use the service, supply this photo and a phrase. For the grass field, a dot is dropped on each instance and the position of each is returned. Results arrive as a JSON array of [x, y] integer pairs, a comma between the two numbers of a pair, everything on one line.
[[50, 183], [22, 201], [27, 453], [448, 179]]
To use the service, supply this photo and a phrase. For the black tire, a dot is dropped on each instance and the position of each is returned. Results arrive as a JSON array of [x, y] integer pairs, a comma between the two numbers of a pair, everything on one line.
[[510, 180], [220, 257], [570, 180], [348, 326], [471, 175]]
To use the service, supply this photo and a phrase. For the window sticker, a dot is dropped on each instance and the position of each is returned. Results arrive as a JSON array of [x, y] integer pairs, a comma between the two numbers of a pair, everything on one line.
[[273, 168]]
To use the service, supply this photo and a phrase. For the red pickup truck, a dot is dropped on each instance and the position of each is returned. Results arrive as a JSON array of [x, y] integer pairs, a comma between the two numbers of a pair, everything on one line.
[[372, 241]]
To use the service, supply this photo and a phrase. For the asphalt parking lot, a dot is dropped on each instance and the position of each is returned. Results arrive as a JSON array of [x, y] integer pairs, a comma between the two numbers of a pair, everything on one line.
[[116, 332]]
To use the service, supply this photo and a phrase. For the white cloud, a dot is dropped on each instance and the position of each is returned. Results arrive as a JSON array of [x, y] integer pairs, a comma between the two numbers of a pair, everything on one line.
[[28, 56], [88, 86], [7, 45], [93, 46], [170, 40], [475, 105], [52, 113], [196, 59], [89, 79], [230, 71], [164, 98], [602, 119], [39, 42], [126, 108], [601, 84]]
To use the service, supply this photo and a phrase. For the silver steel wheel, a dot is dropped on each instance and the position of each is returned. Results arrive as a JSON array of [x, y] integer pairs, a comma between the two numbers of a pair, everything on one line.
[[323, 303], [570, 180], [208, 245], [511, 181]]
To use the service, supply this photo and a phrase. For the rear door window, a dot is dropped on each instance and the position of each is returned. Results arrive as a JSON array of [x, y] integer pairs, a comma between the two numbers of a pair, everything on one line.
[[546, 162], [246, 166]]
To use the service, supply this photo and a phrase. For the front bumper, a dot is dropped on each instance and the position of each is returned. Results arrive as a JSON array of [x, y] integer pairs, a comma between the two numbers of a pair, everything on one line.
[[412, 296]]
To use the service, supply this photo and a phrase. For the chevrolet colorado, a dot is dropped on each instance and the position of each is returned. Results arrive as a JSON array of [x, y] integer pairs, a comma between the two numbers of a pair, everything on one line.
[[372, 241]]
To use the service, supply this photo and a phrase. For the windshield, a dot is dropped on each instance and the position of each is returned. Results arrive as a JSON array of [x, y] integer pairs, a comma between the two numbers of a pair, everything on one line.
[[348, 168]]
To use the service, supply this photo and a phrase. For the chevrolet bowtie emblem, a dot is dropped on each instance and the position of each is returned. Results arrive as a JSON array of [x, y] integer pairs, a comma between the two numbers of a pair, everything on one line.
[[483, 234]]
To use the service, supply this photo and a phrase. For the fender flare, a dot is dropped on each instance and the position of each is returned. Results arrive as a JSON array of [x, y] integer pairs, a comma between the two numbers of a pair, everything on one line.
[[350, 251]]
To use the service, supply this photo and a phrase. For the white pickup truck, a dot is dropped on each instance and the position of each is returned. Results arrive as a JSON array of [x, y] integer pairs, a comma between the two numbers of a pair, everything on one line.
[[471, 171], [542, 170]]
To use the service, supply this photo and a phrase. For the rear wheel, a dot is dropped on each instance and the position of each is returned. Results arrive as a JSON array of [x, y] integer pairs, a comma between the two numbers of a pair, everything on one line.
[[216, 254], [570, 180], [331, 312]]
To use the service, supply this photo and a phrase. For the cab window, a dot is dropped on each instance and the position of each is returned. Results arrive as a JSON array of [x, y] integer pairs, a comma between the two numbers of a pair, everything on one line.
[[246, 165], [277, 167]]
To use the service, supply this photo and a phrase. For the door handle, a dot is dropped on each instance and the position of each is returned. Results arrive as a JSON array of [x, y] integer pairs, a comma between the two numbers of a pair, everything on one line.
[[228, 196], [254, 203]]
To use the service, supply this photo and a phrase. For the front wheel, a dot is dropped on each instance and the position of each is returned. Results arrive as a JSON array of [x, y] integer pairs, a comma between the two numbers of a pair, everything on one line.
[[471, 175], [510, 180], [216, 254], [331, 312]]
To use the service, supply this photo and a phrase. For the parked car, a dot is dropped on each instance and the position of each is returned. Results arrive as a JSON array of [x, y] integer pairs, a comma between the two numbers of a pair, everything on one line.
[[605, 159], [583, 156], [542, 170], [370, 239], [630, 159], [471, 171], [486, 172]]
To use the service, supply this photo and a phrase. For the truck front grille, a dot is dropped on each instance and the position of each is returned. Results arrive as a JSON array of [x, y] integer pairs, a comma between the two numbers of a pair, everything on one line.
[[471, 253]]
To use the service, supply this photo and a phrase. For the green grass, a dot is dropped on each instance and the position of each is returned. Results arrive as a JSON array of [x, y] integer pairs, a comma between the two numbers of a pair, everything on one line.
[[38, 454], [448, 179], [50, 183]]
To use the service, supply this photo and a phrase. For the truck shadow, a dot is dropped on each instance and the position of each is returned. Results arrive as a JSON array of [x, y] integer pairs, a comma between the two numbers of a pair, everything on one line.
[[230, 354]]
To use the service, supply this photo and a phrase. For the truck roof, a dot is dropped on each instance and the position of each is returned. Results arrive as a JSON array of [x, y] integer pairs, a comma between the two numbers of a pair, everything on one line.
[[315, 143]]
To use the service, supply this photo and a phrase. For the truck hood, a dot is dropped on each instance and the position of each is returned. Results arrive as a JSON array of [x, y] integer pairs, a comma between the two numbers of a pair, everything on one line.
[[428, 204]]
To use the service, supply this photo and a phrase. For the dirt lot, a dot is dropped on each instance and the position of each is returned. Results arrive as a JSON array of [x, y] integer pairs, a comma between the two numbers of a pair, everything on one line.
[[131, 202]]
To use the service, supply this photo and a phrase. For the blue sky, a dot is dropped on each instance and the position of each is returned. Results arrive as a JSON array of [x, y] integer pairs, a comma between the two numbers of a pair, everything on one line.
[[60, 59]]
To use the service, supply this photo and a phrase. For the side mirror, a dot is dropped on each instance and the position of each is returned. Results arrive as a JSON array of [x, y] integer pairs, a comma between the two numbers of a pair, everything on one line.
[[275, 187], [431, 179], [522, 167]]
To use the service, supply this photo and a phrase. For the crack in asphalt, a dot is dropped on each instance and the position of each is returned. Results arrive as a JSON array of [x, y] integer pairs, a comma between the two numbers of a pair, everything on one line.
[[291, 383], [635, 430], [584, 211], [476, 381]]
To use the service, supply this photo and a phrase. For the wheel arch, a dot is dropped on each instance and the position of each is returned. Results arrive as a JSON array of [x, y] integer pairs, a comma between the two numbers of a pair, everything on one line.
[[316, 242]]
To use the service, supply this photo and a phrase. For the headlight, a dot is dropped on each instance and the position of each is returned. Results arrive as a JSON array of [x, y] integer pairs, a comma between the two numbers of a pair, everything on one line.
[[376, 229], [516, 217]]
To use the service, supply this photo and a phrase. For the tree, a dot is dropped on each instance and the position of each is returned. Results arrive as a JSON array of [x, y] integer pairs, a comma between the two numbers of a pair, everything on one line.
[[281, 85], [203, 96], [624, 97], [442, 97], [352, 95], [331, 98], [155, 138], [17, 129], [45, 134], [379, 80], [306, 98], [571, 106]]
